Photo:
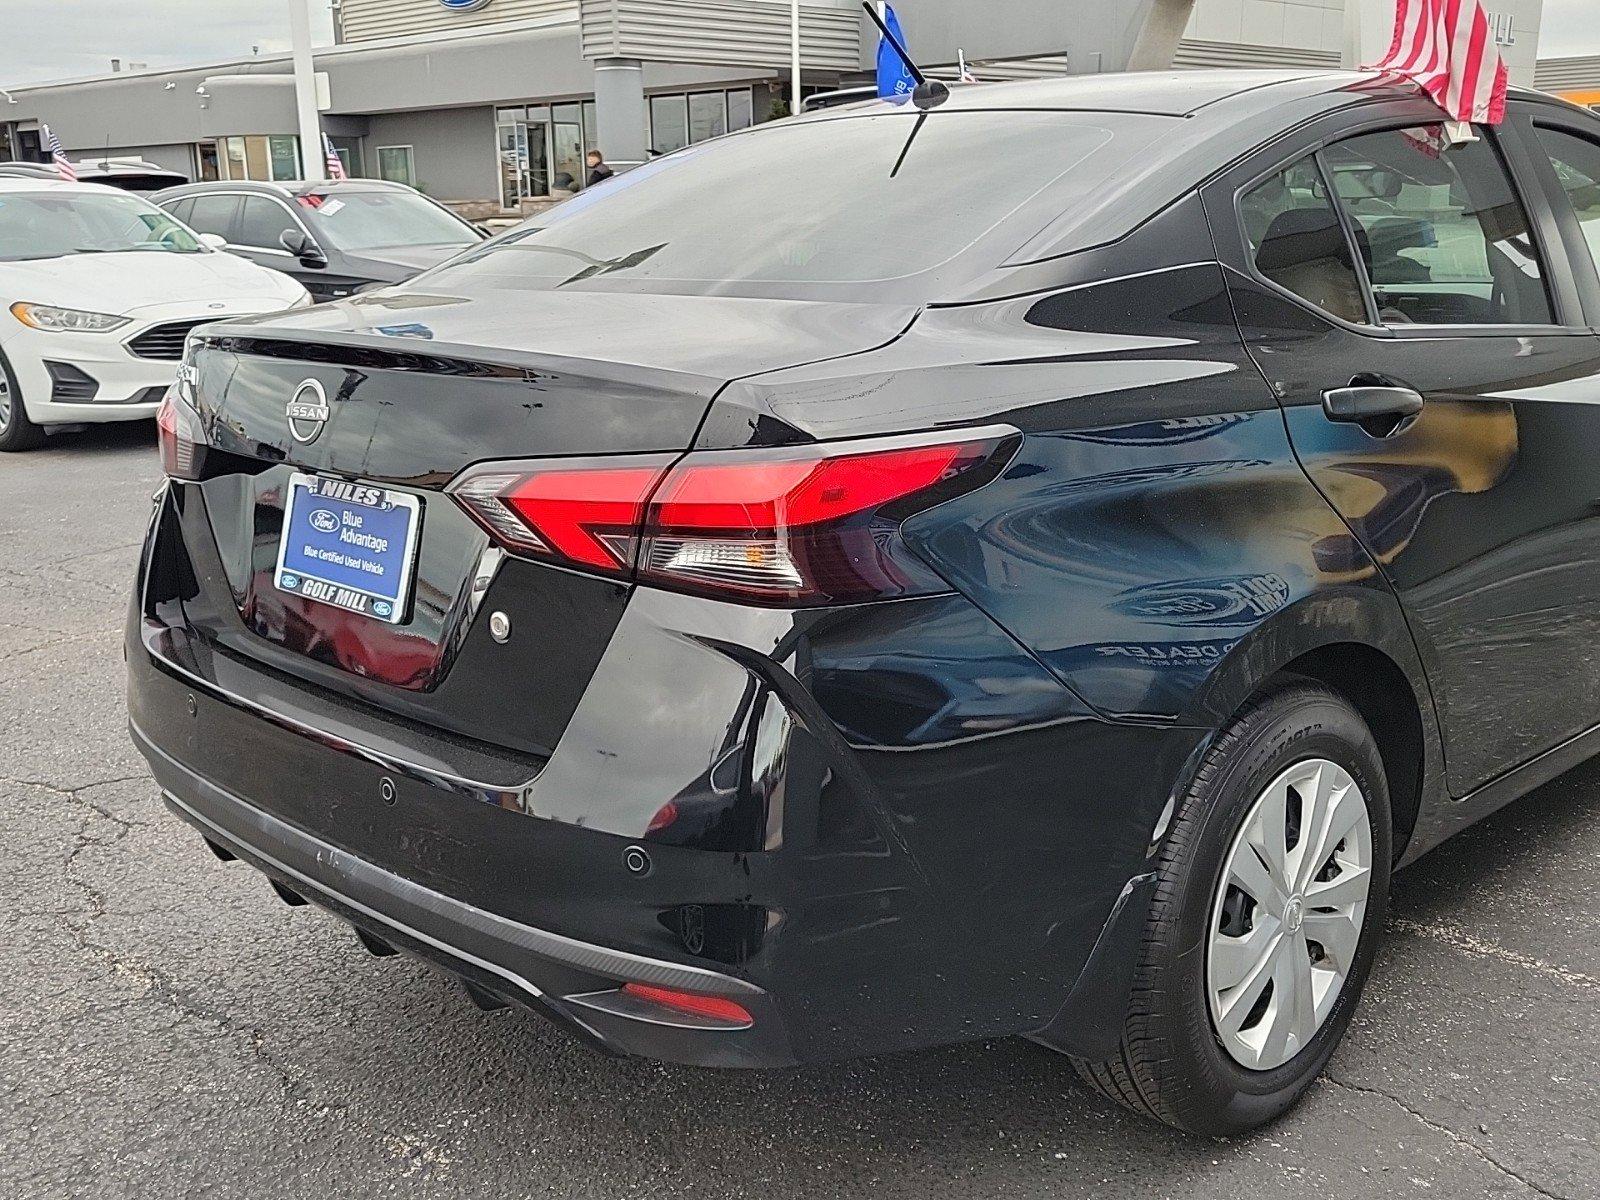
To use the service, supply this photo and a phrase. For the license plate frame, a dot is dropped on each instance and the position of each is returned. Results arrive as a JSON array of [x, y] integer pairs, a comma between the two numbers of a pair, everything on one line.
[[329, 553]]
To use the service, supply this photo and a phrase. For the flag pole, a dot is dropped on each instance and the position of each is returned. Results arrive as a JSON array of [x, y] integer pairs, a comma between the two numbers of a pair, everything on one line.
[[794, 57], [313, 161]]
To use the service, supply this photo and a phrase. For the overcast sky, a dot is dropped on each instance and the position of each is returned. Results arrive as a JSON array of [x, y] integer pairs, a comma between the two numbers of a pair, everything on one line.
[[63, 39]]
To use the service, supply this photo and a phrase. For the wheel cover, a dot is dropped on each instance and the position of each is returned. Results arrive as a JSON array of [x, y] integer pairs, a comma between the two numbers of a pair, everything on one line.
[[5, 402], [1285, 921]]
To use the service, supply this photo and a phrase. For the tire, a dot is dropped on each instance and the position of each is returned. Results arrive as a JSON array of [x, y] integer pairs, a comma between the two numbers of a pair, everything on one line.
[[17, 432], [1173, 1064]]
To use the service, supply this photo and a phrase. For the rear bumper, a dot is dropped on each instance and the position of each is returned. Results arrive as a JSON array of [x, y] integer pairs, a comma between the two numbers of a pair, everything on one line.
[[894, 829], [572, 982]]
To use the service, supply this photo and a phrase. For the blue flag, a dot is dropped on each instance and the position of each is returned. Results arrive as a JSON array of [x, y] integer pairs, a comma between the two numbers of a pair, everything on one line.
[[895, 82]]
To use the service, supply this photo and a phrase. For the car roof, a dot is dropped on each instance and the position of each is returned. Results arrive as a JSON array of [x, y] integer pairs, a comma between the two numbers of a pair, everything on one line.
[[283, 187], [12, 183]]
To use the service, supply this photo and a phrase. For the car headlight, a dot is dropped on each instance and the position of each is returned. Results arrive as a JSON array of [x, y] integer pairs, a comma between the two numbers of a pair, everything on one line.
[[69, 320]]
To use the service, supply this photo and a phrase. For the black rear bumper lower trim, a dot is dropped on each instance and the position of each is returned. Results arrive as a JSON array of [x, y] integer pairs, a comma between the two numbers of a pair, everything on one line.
[[353, 882]]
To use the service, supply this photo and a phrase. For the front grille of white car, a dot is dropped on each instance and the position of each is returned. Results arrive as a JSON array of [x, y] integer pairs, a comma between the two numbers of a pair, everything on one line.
[[164, 341]]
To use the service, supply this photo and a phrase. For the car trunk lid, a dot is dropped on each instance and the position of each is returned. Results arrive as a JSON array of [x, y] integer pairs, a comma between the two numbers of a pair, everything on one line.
[[415, 388]]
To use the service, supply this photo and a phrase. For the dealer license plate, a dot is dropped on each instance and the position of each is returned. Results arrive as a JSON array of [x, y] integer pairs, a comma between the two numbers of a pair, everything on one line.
[[351, 545]]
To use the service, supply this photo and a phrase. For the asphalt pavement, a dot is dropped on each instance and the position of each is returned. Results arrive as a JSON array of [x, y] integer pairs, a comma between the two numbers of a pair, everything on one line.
[[169, 1028]]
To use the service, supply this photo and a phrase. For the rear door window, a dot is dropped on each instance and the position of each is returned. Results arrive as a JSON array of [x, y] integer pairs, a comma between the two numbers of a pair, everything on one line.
[[214, 214], [1577, 164], [1444, 238], [1296, 241]]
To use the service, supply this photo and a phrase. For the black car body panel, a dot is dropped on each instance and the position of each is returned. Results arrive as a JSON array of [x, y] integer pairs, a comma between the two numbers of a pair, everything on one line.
[[897, 822]]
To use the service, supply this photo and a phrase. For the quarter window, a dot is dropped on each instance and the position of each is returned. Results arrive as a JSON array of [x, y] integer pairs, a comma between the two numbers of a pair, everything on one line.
[[1443, 236], [1577, 163], [1296, 241]]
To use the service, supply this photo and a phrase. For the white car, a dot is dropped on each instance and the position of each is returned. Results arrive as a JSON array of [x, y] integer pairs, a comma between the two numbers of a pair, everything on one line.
[[98, 289]]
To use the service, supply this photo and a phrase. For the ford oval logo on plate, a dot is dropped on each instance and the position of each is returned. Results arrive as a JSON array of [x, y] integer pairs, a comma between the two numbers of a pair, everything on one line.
[[324, 521], [307, 411]]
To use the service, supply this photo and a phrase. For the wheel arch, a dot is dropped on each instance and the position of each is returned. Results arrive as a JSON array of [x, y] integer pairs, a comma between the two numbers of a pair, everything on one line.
[[1357, 644]]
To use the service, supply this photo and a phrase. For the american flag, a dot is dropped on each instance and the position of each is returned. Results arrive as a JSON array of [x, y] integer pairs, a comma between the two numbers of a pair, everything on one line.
[[1445, 46], [335, 164], [58, 156]]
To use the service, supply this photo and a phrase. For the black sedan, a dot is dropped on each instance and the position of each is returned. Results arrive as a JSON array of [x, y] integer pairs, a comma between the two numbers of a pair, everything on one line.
[[886, 578], [335, 237]]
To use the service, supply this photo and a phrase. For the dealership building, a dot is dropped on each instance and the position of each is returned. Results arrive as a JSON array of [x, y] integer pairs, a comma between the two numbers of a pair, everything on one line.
[[490, 105]]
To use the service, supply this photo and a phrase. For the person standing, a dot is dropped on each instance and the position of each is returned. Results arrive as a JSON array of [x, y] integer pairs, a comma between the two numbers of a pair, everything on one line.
[[598, 171]]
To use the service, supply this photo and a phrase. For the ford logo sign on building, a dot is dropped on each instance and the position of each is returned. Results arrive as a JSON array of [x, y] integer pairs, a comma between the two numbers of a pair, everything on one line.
[[464, 5]]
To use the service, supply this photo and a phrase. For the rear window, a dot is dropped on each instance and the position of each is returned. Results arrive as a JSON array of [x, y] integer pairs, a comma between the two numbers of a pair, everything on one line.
[[857, 203]]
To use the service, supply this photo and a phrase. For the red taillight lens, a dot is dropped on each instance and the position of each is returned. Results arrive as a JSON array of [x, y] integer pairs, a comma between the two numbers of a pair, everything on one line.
[[809, 525], [583, 512], [792, 526], [691, 1002], [178, 429]]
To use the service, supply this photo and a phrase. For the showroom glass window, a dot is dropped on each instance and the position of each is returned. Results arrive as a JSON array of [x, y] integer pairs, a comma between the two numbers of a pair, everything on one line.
[[1444, 237], [395, 165], [259, 157], [677, 121], [1296, 240], [1577, 164], [669, 123], [567, 168]]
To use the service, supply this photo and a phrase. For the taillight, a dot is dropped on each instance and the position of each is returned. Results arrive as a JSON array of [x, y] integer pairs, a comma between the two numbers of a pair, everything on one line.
[[584, 513], [793, 526], [182, 445]]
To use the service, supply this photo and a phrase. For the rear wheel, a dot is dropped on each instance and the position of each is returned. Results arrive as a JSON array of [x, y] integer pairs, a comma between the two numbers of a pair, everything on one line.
[[17, 432], [1273, 885]]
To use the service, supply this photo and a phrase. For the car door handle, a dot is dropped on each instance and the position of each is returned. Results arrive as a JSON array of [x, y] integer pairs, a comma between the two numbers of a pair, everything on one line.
[[1380, 409]]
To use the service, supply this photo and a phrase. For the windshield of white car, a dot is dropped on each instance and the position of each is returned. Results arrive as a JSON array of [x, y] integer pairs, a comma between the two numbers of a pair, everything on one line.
[[354, 221], [36, 225]]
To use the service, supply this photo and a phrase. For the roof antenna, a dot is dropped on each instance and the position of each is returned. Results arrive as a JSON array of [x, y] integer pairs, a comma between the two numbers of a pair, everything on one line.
[[929, 93]]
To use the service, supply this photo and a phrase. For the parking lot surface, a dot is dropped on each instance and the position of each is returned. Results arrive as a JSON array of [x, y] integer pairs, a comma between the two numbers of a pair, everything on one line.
[[169, 1028]]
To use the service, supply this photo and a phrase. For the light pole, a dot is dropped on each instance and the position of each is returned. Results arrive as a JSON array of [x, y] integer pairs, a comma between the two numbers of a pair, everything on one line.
[[313, 159]]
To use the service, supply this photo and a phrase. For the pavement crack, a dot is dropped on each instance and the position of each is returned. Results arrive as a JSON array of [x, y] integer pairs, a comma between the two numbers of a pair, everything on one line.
[[76, 794], [1465, 1143], [415, 1154], [1470, 943], [64, 640]]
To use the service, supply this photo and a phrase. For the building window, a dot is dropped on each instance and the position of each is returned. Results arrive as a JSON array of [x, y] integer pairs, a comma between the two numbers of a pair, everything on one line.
[[566, 134], [678, 121], [285, 155], [396, 165], [741, 109], [669, 123], [591, 139], [708, 115], [260, 157]]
